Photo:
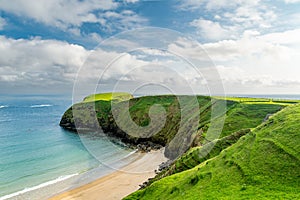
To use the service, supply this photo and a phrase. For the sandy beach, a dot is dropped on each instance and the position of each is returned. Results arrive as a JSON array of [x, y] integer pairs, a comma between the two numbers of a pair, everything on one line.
[[119, 183]]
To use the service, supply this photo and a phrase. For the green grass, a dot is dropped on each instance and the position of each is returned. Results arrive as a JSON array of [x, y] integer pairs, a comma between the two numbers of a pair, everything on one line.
[[264, 164], [249, 100], [245, 99], [245, 115], [239, 116], [199, 154], [91, 113], [119, 96], [139, 111]]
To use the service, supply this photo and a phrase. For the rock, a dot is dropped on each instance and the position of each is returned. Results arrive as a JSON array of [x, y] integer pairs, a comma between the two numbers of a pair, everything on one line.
[[164, 165], [147, 146], [142, 186], [267, 117]]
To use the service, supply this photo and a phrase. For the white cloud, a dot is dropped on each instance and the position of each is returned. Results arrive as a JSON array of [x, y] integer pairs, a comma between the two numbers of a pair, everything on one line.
[[242, 80], [95, 37], [289, 21], [252, 16], [227, 4], [131, 1], [292, 1], [122, 20], [255, 63], [231, 18], [282, 45], [191, 4], [71, 14], [39, 63], [289, 37], [212, 30], [2, 23], [214, 5], [57, 12]]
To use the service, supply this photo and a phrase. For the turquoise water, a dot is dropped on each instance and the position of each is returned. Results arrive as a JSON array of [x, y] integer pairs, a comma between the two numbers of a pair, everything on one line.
[[35, 151]]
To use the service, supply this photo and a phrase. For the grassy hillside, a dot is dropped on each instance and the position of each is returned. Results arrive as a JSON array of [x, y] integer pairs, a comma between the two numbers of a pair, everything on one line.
[[240, 116], [119, 96], [87, 112], [196, 155], [264, 164], [250, 100], [245, 115], [91, 114]]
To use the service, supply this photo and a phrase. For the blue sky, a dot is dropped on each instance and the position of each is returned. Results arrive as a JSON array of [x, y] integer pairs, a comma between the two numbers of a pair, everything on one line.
[[253, 44]]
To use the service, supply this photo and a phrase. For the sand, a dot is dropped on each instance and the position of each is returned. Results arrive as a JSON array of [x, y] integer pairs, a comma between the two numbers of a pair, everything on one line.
[[120, 183]]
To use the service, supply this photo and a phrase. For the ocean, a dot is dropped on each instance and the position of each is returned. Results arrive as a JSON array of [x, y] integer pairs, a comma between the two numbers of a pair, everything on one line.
[[39, 159]]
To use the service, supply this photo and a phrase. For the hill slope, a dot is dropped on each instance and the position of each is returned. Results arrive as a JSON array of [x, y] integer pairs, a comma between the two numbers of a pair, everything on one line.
[[264, 164], [117, 96], [87, 112], [89, 115]]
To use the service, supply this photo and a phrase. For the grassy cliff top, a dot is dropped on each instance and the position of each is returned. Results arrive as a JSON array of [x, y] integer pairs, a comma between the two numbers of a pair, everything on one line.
[[264, 164], [251, 100], [239, 115], [119, 96]]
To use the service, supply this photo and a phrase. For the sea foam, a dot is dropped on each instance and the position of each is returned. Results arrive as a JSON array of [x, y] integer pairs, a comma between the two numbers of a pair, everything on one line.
[[41, 105], [59, 179]]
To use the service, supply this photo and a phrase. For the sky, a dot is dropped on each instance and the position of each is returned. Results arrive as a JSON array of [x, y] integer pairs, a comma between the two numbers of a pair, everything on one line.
[[154, 46]]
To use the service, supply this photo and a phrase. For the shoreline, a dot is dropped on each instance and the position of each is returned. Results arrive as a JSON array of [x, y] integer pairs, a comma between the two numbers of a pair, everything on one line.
[[120, 183], [68, 182]]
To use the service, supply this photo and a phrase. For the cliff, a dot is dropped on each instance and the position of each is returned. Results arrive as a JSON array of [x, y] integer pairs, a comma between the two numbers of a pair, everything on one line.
[[179, 123]]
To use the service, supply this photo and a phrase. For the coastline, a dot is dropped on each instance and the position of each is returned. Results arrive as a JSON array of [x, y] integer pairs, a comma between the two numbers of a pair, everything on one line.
[[68, 182], [118, 184]]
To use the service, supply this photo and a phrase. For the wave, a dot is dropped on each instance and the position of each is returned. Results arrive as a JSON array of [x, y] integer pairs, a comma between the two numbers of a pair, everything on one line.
[[59, 179], [41, 105], [6, 120], [3, 107], [131, 153]]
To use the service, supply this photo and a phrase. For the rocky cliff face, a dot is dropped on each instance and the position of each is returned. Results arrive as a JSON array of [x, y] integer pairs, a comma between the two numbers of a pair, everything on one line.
[[92, 117]]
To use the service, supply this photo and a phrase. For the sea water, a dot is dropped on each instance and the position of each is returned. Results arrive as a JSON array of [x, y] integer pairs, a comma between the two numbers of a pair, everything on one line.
[[36, 153]]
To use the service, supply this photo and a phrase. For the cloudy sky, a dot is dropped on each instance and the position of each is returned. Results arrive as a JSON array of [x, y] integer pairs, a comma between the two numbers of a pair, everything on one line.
[[250, 46]]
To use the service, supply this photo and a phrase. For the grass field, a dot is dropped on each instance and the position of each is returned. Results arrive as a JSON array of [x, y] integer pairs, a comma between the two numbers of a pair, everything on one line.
[[245, 115], [119, 96], [249, 100], [263, 164]]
